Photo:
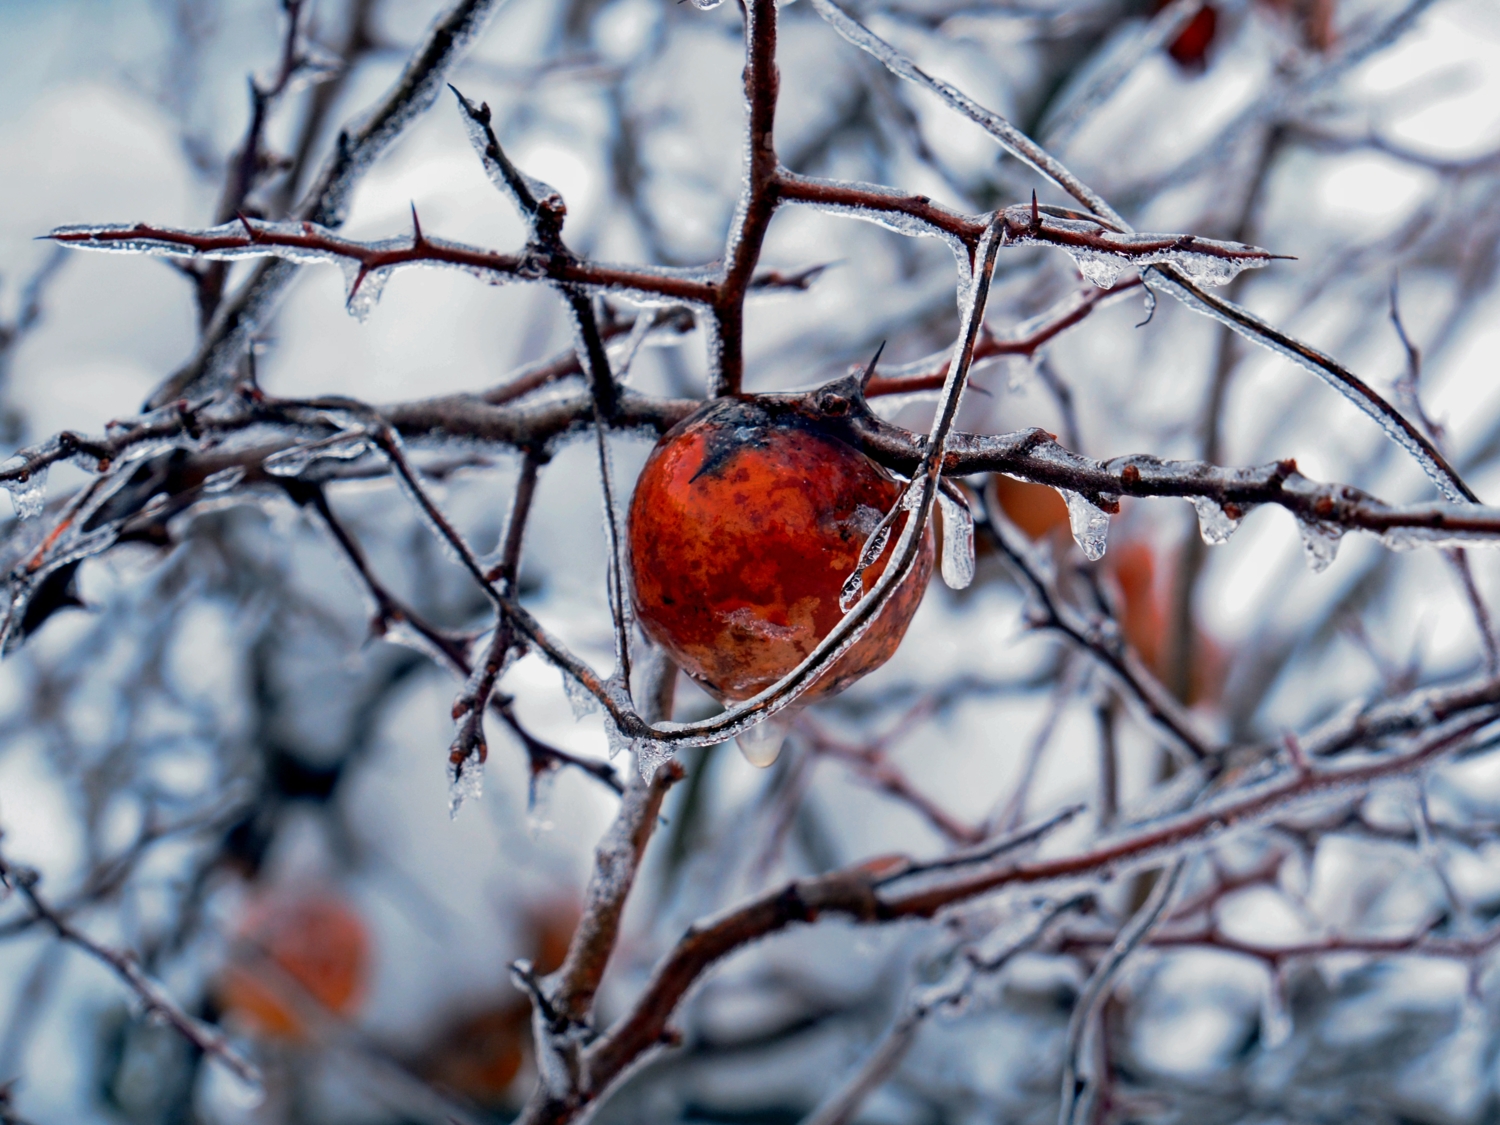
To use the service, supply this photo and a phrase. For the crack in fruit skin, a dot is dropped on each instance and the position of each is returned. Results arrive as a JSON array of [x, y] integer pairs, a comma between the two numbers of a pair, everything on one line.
[[746, 520]]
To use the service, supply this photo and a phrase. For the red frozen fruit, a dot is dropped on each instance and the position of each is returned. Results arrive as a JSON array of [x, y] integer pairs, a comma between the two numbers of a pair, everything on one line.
[[746, 521]]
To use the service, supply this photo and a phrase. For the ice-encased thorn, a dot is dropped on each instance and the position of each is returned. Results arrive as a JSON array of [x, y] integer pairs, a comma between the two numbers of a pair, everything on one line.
[[362, 288], [465, 781], [958, 542], [580, 698], [1320, 542], [1214, 523], [1090, 525], [854, 586], [29, 496], [761, 744]]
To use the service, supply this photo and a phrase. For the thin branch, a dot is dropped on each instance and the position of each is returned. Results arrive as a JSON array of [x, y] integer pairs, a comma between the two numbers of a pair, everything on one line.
[[327, 200], [1017, 143], [1101, 640], [127, 967], [1075, 1099], [757, 203]]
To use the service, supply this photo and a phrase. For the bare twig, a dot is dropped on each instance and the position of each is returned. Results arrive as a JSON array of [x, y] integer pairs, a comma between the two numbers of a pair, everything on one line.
[[127, 967]]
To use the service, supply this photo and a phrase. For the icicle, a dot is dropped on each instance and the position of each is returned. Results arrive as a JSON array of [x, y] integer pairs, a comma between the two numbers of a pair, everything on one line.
[[1090, 525], [1214, 523], [1320, 542], [28, 494], [465, 781], [1102, 269], [579, 697], [761, 744], [958, 542], [539, 800], [1275, 1014]]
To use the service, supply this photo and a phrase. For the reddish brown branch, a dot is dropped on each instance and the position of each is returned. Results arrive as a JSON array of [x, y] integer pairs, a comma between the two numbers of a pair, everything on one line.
[[757, 202], [1072, 311]]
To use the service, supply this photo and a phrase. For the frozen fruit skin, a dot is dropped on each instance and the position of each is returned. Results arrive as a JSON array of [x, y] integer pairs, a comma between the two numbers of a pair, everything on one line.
[[316, 943], [746, 521]]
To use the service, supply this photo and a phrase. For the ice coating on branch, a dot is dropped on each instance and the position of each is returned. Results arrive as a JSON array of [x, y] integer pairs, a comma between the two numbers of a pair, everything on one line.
[[761, 744], [1320, 543], [465, 781], [1090, 525], [27, 493], [1214, 523], [341, 447], [1103, 255], [223, 480], [1258, 331], [958, 542]]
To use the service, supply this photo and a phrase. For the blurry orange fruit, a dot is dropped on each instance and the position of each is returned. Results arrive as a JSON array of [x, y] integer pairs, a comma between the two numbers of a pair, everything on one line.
[[307, 940]]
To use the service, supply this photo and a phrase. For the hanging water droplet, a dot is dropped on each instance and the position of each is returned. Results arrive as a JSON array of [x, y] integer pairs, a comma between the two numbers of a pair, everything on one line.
[[580, 698], [465, 781], [1320, 542], [761, 744], [1090, 525], [1214, 523], [958, 542], [28, 495]]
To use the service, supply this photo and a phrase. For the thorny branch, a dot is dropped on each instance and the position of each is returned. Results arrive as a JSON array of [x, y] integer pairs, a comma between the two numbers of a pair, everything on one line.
[[215, 433]]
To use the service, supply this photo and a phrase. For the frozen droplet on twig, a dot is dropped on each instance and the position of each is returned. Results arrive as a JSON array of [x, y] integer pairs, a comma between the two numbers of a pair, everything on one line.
[[1090, 524], [28, 494], [362, 288], [1214, 523], [958, 542], [1320, 542], [580, 698], [761, 744], [465, 780]]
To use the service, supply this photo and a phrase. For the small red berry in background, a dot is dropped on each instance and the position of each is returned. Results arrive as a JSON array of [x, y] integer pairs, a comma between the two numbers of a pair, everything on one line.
[[1190, 48], [746, 521], [307, 939]]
